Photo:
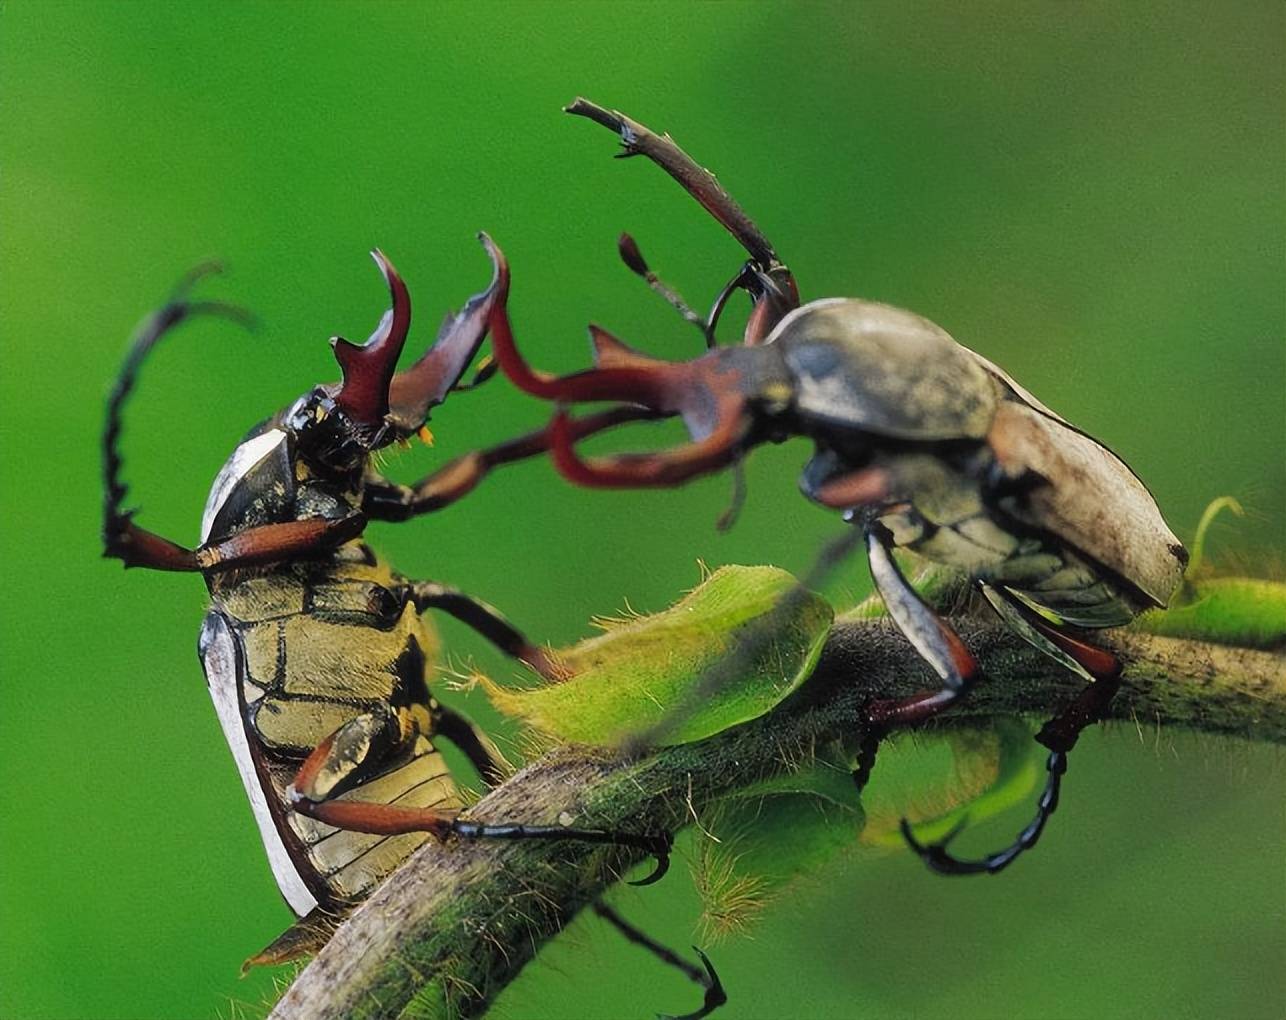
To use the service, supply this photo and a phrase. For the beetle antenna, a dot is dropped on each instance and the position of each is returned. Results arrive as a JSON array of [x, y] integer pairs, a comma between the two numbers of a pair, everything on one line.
[[148, 334], [628, 249]]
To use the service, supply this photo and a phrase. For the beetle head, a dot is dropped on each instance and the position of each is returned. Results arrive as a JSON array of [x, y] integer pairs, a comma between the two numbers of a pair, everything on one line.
[[723, 398], [338, 425]]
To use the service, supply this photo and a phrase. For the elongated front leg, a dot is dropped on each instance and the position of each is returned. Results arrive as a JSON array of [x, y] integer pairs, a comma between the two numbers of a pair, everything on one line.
[[770, 283], [1059, 734], [389, 501], [122, 538], [268, 543], [362, 747]]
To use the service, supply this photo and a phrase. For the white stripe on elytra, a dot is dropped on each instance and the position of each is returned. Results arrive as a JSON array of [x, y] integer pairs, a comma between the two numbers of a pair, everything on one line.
[[219, 658]]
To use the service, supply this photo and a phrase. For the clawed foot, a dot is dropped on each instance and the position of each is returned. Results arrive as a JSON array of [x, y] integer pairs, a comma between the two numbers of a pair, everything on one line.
[[936, 856], [659, 846], [714, 998]]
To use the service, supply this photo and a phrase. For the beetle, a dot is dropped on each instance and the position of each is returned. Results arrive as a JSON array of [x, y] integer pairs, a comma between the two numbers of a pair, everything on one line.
[[314, 651], [920, 442]]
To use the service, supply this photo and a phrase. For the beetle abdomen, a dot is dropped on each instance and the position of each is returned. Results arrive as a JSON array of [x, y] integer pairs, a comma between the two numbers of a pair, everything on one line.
[[1041, 573], [286, 673], [1066, 586], [1090, 500], [883, 370]]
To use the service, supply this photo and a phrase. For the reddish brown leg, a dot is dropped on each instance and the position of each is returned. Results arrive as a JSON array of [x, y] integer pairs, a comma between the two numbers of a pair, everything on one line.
[[770, 284], [698, 182], [138, 547], [388, 501]]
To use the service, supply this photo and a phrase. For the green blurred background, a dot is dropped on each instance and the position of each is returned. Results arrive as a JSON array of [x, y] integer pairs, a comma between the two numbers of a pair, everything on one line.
[[1089, 194]]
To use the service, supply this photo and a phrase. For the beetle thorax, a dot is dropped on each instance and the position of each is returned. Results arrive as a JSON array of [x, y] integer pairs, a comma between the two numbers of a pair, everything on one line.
[[266, 481], [862, 365]]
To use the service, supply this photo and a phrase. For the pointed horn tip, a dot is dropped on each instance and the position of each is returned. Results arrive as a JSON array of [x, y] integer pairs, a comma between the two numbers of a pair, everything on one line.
[[499, 264], [386, 267]]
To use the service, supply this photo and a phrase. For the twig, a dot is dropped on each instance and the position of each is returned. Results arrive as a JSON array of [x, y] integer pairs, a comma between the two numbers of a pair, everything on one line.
[[455, 914]]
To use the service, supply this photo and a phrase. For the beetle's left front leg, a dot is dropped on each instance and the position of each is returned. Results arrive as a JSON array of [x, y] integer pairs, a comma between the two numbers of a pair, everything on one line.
[[929, 633], [359, 749]]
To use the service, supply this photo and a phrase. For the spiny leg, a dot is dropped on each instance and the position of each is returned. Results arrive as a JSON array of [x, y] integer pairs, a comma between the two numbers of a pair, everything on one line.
[[715, 996], [356, 753], [1059, 734]]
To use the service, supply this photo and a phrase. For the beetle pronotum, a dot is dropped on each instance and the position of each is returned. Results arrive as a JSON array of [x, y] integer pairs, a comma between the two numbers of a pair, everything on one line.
[[920, 442]]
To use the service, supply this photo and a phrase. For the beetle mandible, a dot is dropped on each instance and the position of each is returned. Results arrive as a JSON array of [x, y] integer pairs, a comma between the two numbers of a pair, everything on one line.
[[313, 648], [920, 442]]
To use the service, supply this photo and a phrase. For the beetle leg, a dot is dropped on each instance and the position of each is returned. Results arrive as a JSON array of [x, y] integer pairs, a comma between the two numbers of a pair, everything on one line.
[[470, 738], [487, 621], [122, 538], [1059, 734], [931, 635], [356, 752], [628, 249], [267, 543], [707, 978], [385, 500]]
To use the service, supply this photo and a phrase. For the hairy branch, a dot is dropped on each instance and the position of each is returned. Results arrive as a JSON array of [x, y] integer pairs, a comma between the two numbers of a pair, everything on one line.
[[450, 929]]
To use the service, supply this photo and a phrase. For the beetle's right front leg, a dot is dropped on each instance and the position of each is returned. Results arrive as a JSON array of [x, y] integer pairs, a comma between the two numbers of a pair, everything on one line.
[[356, 753]]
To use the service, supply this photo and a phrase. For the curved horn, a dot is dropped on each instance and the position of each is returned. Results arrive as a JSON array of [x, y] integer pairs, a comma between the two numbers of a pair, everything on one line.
[[627, 375], [426, 383], [368, 369], [650, 470]]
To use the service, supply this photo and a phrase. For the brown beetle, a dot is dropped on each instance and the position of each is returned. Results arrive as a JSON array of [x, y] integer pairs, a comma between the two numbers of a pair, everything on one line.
[[919, 441]]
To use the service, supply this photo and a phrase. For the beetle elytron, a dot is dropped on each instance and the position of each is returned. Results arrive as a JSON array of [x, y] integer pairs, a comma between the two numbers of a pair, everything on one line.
[[313, 649], [919, 441]]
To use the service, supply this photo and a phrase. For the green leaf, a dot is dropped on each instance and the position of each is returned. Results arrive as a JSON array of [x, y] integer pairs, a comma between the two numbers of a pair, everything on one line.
[[1228, 610], [644, 671], [964, 775]]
